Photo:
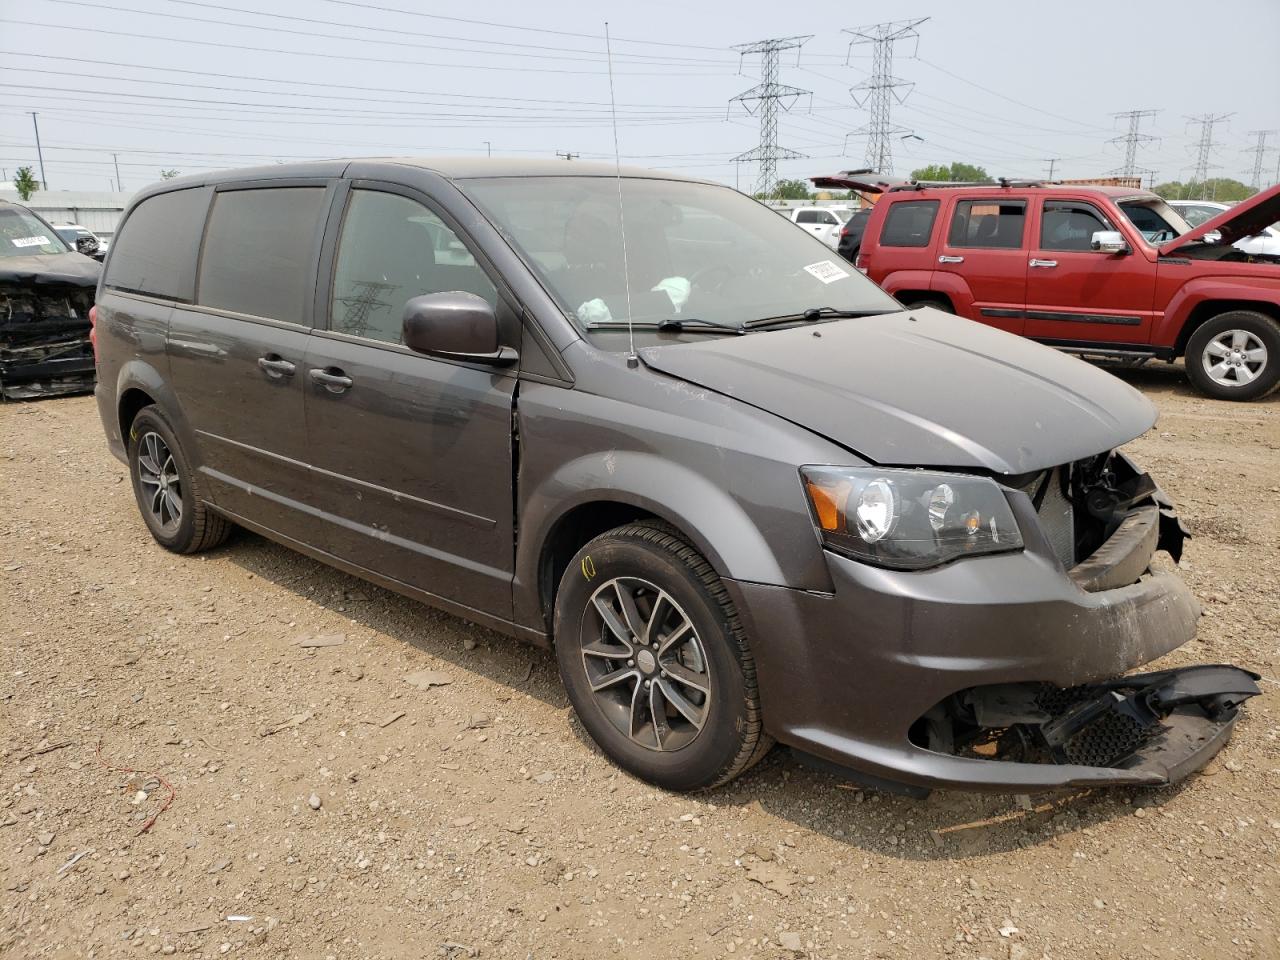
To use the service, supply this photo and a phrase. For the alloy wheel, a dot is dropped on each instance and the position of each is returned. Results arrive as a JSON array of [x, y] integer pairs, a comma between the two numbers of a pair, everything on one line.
[[1234, 358], [161, 486], [645, 664]]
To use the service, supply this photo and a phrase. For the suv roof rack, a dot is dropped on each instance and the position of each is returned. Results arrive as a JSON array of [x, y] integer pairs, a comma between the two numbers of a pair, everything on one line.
[[944, 184]]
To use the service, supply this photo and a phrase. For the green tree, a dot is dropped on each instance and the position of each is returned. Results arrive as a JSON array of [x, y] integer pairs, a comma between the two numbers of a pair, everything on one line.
[[168, 174], [954, 173], [1215, 188], [25, 182], [788, 190]]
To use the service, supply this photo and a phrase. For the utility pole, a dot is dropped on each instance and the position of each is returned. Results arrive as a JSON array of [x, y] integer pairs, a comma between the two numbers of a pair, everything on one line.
[[1132, 139], [44, 184], [1052, 162], [1204, 148], [765, 97], [879, 91], [1260, 149], [488, 148], [567, 155], [116, 159]]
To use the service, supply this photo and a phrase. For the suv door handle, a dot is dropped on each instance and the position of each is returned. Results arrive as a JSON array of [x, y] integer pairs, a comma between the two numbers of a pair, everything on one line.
[[951, 259], [1044, 263], [331, 378], [275, 367]]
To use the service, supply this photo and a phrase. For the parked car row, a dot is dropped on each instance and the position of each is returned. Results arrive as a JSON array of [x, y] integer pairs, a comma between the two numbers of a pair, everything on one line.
[[1101, 271], [743, 493]]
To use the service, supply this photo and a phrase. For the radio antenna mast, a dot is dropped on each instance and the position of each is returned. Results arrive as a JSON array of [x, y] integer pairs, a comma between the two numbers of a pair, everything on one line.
[[632, 359]]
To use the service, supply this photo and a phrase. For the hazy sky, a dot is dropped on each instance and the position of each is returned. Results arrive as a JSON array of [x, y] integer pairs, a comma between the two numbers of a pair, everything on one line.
[[170, 83]]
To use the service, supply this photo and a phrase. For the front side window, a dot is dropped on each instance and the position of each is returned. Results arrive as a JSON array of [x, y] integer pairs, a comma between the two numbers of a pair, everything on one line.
[[1069, 225], [258, 252], [23, 235], [155, 253], [690, 252], [391, 250], [909, 223], [995, 224]]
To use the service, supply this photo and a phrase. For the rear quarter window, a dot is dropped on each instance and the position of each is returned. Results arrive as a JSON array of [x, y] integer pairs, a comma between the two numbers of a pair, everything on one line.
[[155, 251], [259, 250], [909, 223]]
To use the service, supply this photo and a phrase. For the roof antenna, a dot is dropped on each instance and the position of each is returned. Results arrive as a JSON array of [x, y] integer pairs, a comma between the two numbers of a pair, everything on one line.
[[632, 359]]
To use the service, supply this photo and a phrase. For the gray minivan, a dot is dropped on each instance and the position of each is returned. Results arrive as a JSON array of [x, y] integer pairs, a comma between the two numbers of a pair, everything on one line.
[[745, 495]]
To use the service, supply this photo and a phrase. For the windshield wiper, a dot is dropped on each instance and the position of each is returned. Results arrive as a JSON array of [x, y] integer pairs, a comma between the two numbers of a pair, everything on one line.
[[707, 326], [812, 314]]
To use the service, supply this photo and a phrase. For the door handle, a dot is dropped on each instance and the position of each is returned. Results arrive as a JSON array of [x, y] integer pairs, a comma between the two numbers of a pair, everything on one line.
[[331, 378], [1044, 263], [951, 259], [275, 367]]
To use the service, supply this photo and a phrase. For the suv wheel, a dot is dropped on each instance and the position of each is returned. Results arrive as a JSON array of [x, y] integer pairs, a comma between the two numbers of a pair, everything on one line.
[[166, 489], [1235, 356], [935, 302], [655, 662]]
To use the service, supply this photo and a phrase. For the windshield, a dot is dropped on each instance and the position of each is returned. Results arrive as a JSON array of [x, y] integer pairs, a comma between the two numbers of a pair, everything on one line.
[[694, 251], [1156, 220], [1199, 213], [22, 234]]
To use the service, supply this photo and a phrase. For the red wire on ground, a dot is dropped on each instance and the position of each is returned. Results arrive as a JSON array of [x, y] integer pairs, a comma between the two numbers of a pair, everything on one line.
[[167, 785]]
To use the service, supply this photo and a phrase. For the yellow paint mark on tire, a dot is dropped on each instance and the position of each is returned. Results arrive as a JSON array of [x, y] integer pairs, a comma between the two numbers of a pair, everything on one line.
[[588, 568]]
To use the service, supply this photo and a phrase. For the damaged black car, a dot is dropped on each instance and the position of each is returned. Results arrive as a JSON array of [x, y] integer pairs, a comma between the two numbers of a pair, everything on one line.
[[46, 293]]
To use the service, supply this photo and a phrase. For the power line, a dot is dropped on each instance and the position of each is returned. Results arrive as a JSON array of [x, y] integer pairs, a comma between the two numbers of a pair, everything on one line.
[[881, 89], [1132, 139], [767, 96], [1260, 150], [1204, 147]]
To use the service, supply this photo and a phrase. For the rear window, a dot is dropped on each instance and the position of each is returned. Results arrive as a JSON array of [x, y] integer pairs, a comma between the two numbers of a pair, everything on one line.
[[155, 252], [258, 252], [909, 223]]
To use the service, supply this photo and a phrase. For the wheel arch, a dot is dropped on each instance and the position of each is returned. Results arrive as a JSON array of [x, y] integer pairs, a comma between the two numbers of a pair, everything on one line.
[[1207, 309]]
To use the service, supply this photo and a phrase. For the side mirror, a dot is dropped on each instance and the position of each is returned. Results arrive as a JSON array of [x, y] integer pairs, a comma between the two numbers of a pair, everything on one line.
[[1213, 236], [458, 325], [86, 245], [1109, 241]]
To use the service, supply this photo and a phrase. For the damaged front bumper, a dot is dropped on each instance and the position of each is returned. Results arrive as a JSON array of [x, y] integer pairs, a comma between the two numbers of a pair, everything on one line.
[[899, 668], [44, 325]]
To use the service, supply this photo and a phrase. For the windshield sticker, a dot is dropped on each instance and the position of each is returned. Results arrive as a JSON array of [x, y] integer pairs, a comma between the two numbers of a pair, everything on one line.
[[30, 241], [826, 271]]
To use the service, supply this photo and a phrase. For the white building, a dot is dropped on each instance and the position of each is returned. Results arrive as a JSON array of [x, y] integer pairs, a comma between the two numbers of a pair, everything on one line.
[[97, 212]]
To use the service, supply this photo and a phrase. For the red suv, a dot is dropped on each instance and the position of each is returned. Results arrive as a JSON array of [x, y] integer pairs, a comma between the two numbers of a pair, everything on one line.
[[1102, 271]]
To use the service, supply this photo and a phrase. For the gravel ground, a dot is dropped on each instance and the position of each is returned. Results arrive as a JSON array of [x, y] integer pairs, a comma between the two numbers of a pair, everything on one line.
[[321, 805]]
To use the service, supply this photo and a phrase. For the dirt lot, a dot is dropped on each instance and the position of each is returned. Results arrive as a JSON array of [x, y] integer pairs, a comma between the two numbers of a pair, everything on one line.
[[323, 807]]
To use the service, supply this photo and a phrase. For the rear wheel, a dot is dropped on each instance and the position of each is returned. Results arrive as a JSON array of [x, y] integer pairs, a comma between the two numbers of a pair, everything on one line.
[[935, 302], [167, 490], [655, 662], [1235, 356]]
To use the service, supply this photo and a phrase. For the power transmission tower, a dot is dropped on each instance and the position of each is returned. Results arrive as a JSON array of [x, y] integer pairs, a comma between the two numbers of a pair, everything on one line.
[[1260, 149], [1132, 139], [878, 92], [355, 320], [766, 97], [1204, 148]]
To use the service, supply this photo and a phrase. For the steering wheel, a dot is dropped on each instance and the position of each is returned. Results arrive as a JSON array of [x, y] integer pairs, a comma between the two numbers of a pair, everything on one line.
[[1160, 236]]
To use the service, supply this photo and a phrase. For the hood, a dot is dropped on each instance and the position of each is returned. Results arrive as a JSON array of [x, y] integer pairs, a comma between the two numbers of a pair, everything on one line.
[[863, 181], [921, 388], [73, 268], [1247, 218]]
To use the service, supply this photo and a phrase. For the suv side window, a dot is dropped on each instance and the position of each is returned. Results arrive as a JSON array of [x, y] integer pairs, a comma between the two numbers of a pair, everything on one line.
[[996, 224], [1070, 225], [258, 252], [814, 216], [156, 250], [909, 223], [391, 250]]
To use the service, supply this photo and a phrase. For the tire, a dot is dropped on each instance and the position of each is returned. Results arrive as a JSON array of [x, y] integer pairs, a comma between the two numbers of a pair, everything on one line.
[[936, 303], [1216, 346], [715, 735], [167, 491]]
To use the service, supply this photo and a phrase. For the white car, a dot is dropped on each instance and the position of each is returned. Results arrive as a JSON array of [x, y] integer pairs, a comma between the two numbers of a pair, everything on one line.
[[823, 222], [1196, 212]]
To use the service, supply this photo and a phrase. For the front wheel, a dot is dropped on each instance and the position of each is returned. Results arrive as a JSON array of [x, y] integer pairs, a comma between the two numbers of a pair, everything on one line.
[[655, 661], [1235, 356]]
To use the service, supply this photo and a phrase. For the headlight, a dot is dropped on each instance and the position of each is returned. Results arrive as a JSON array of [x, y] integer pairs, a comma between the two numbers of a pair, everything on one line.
[[909, 519]]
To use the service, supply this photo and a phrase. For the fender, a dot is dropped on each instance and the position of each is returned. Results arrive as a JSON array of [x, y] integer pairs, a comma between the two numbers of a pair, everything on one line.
[[1168, 328], [709, 516], [139, 374], [957, 290], [906, 280]]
